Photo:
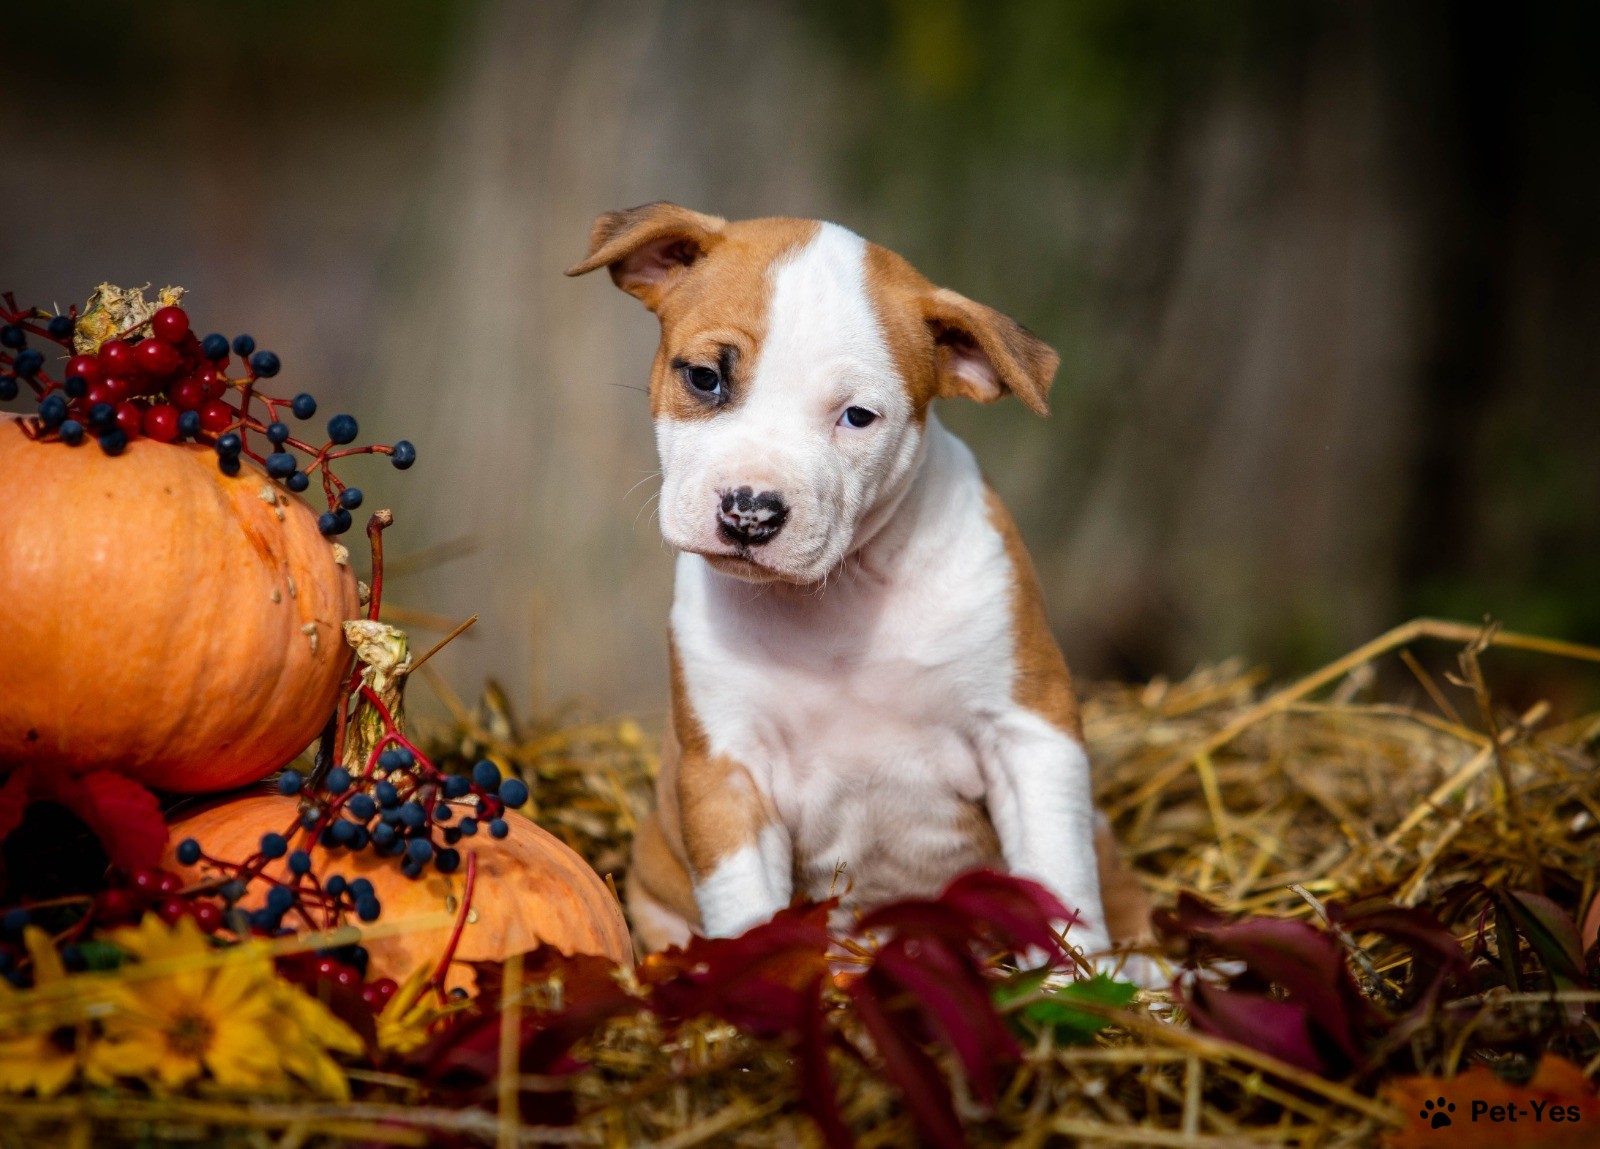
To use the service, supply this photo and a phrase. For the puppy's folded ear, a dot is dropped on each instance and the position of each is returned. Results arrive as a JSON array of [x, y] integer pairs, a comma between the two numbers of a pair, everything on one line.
[[646, 248], [982, 354]]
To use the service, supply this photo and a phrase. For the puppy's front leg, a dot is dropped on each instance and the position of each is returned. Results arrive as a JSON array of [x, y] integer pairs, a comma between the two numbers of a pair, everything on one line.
[[740, 857], [1042, 806]]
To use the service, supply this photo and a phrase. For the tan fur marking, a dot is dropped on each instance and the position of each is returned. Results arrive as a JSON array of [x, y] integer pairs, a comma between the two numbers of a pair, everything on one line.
[[1126, 901], [926, 326], [1023, 364], [1043, 684], [647, 248], [709, 799], [659, 874], [973, 824], [721, 302], [684, 727], [708, 281], [896, 290]]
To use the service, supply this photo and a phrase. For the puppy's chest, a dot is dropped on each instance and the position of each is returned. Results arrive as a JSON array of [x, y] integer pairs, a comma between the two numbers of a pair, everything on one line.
[[882, 780], [861, 723], [883, 722]]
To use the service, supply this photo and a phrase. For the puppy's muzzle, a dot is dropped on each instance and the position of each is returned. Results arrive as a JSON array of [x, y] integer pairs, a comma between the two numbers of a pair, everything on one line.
[[748, 520]]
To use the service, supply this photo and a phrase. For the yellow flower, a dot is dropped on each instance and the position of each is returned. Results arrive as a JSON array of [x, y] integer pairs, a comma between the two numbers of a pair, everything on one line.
[[313, 1031], [407, 1017], [38, 1040], [225, 1013]]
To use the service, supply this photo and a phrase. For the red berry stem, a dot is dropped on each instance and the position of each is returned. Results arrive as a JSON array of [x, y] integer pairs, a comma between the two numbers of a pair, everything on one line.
[[371, 697], [436, 982], [379, 522], [370, 449], [21, 319]]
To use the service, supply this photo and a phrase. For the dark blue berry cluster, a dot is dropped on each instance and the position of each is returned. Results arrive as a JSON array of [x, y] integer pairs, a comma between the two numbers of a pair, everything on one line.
[[399, 806], [159, 381]]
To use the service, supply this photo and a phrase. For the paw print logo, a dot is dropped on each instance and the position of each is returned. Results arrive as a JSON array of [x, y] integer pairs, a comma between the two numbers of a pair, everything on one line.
[[1437, 1113]]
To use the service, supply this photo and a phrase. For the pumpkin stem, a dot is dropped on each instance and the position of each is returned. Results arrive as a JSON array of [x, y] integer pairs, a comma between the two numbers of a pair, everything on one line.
[[385, 656]]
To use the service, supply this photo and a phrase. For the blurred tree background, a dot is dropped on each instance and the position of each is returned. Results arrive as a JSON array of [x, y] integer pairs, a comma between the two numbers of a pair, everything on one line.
[[1323, 274]]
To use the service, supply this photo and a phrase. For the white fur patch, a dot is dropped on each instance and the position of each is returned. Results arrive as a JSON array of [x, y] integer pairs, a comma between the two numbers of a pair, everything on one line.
[[824, 352], [876, 712], [747, 887], [1043, 808]]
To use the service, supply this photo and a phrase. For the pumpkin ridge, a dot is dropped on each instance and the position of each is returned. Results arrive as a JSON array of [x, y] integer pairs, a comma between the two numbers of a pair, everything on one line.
[[184, 674]]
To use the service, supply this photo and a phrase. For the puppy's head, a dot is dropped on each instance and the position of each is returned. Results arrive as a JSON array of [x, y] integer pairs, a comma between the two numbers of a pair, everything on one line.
[[791, 387]]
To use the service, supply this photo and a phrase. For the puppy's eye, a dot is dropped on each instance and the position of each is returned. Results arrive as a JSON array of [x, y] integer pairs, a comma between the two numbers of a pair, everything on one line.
[[858, 416], [703, 379]]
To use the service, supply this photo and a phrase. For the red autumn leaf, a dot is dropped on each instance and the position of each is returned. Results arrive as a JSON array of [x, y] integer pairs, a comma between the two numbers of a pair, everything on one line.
[[1556, 1109], [1280, 1029], [1022, 913], [759, 981], [462, 1063], [1309, 966], [928, 981], [1306, 962], [909, 1067], [123, 814], [465, 1055], [788, 950], [590, 996], [955, 999], [1550, 931], [584, 977], [1193, 915], [814, 1075], [1014, 913]]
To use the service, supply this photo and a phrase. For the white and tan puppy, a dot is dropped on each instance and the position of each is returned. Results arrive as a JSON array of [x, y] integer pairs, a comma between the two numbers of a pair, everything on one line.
[[866, 696]]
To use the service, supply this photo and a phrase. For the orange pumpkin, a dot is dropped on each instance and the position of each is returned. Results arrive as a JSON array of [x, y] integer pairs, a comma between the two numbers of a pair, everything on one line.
[[530, 888], [163, 620]]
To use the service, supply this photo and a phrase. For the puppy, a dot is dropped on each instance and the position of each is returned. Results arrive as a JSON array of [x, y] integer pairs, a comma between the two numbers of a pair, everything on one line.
[[866, 695]]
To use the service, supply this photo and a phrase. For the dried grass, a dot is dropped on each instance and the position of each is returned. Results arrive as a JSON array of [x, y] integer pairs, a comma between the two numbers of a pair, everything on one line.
[[1267, 803]]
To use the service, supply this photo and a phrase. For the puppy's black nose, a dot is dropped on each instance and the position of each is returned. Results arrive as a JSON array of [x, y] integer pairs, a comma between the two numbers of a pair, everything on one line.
[[748, 519]]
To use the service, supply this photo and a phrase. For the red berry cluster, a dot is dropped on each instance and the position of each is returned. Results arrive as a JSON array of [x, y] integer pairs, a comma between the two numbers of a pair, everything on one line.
[[345, 968], [156, 379], [126, 899], [149, 383]]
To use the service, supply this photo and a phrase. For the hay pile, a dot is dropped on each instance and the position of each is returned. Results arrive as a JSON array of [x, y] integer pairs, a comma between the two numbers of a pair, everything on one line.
[[1263, 802]]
